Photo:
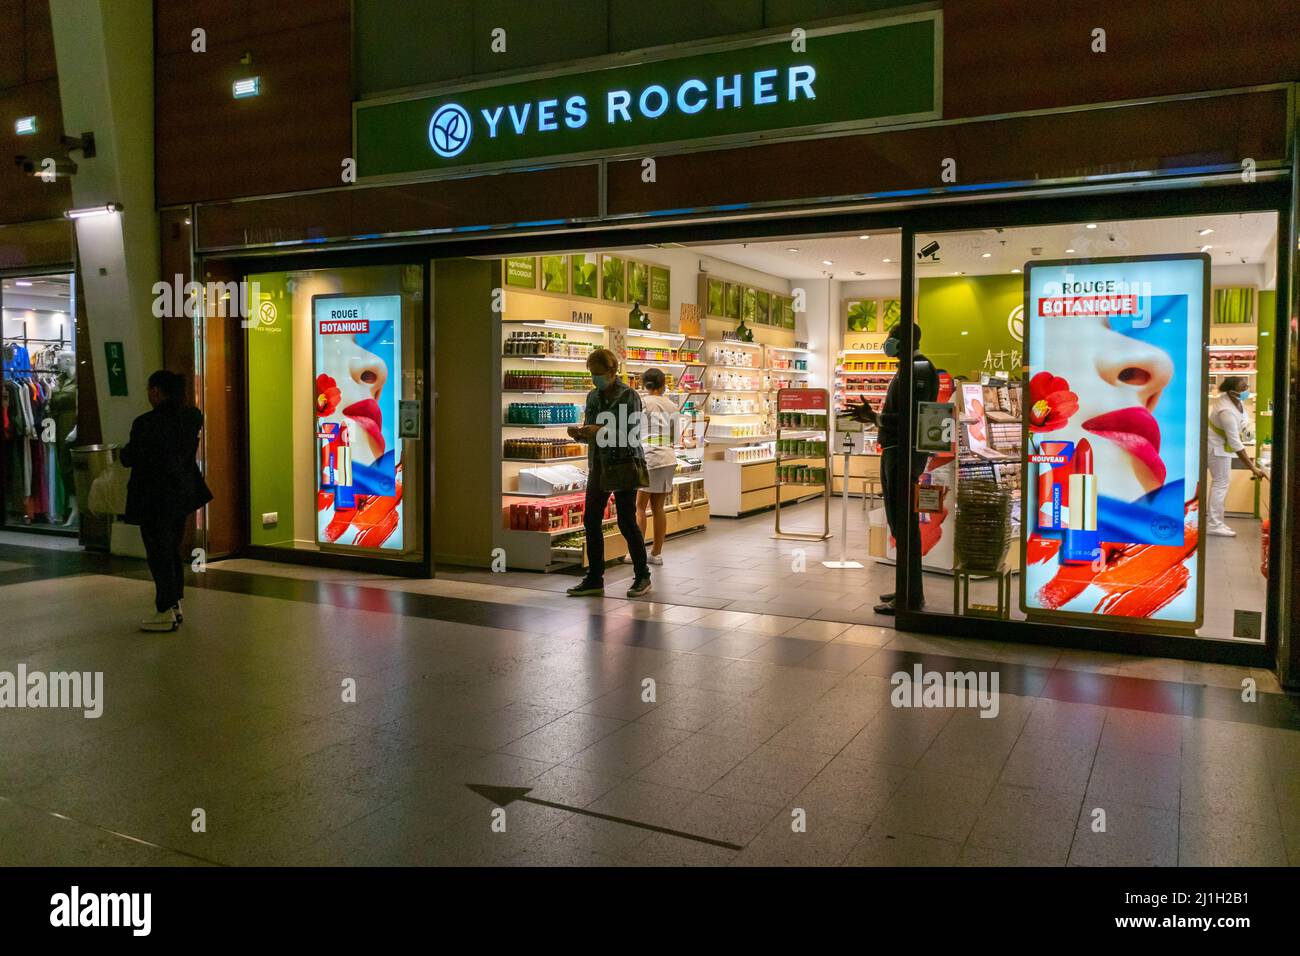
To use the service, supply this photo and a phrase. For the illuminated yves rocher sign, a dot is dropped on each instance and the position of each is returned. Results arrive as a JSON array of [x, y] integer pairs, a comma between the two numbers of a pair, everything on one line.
[[841, 77]]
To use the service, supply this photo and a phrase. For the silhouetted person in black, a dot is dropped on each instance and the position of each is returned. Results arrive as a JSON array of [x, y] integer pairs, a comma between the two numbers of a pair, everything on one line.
[[894, 470], [166, 487]]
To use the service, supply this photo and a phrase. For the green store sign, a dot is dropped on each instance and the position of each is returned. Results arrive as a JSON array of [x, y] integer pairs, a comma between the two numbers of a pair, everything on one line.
[[843, 77]]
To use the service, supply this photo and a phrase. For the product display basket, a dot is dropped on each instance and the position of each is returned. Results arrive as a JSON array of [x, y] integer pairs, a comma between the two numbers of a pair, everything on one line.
[[983, 525]]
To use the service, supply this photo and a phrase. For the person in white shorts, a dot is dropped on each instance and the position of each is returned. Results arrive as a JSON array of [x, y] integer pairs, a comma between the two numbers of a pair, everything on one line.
[[658, 437]]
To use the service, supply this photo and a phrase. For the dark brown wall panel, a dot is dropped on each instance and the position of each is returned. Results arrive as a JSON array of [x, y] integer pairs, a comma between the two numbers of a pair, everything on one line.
[[1003, 56], [1171, 135], [39, 36], [36, 244], [24, 197], [568, 192], [294, 136], [26, 42], [11, 43], [236, 21]]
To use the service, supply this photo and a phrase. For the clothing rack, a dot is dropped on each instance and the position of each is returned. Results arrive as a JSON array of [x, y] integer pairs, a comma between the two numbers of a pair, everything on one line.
[[49, 346]]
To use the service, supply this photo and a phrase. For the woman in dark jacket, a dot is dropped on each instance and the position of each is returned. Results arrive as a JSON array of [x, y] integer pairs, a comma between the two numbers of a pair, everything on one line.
[[166, 487]]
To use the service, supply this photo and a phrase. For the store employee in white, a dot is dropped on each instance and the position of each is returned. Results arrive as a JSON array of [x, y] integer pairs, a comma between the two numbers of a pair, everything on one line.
[[1227, 416]]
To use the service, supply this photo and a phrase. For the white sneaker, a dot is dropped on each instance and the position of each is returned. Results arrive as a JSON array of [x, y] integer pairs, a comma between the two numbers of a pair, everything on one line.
[[1221, 531], [652, 558], [180, 612], [162, 621]]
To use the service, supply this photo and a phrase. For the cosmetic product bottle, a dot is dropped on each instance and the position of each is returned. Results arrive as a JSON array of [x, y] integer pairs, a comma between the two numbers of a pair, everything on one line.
[[1082, 540], [344, 496], [1054, 486]]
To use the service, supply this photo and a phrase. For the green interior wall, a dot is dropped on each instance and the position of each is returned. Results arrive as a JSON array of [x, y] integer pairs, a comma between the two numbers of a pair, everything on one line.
[[270, 426], [1264, 358], [979, 306]]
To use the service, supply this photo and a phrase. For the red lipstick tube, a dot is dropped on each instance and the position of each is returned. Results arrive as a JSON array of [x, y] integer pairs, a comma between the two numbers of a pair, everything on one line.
[[1082, 541]]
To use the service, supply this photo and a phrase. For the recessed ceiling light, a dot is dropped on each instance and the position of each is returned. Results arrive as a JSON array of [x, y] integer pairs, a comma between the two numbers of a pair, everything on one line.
[[886, 260], [827, 262], [1069, 250], [792, 250], [1205, 232], [864, 237], [22, 282], [959, 273], [1015, 270], [987, 255], [1091, 225], [1206, 248]]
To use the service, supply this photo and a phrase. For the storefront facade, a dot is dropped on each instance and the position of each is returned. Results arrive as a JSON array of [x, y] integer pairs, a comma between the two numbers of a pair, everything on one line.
[[745, 139]]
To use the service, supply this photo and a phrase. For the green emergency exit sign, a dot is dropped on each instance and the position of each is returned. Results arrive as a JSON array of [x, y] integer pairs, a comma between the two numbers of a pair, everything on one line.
[[115, 362], [832, 78]]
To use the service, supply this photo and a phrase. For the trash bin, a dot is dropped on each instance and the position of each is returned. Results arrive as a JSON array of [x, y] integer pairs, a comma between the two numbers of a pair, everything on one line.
[[88, 463]]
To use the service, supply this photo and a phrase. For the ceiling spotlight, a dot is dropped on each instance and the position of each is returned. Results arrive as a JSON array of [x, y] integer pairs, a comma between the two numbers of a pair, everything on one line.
[[1205, 232], [1015, 271], [1069, 250], [959, 273], [827, 262], [1206, 248], [886, 260], [1091, 225], [792, 250], [864, 237], [987, 255]]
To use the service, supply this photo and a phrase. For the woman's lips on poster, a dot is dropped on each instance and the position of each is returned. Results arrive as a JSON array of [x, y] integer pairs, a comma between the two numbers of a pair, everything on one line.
[[368, 415], [1136, 431]]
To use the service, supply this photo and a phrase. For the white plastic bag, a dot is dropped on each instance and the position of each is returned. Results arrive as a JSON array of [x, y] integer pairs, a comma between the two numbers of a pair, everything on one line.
[[108, 491]]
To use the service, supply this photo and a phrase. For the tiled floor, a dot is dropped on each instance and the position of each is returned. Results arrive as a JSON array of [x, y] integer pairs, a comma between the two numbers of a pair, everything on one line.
[[645, 733], [736, 564]]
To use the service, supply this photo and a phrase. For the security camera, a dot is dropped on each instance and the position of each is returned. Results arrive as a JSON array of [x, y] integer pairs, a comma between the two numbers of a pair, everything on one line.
[[34, 168]]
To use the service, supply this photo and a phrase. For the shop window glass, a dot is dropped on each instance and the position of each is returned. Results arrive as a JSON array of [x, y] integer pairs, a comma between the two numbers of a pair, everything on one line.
[[334, 384], [1080, 465], [39, 396]]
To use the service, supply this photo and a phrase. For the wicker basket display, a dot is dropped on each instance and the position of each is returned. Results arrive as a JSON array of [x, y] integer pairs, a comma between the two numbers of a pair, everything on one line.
[[983, 524]]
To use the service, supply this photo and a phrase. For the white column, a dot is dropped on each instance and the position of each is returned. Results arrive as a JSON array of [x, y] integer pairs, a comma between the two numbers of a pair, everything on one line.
[[104, 51]]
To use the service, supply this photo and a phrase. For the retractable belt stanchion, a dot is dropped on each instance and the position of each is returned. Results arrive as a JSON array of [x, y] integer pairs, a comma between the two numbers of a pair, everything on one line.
[[843, 562]]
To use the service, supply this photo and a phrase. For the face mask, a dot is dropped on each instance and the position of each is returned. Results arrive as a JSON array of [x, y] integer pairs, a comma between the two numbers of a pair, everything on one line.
[[891, 347], [1242, 396], [600, 380]]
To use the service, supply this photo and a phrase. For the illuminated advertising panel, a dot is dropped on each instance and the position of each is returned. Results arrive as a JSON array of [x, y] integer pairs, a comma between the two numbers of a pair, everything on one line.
[[358, 349], [1115, 429]]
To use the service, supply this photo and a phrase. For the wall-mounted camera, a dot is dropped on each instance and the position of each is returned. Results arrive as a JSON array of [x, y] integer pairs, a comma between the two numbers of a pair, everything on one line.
[[46, 168]]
